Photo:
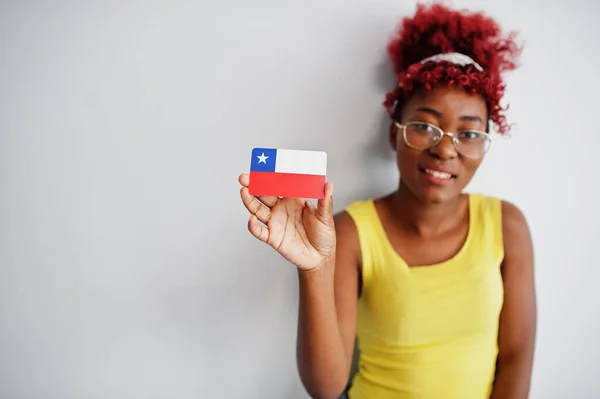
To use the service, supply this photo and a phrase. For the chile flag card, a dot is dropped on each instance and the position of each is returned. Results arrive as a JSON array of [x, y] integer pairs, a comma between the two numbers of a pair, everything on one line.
[[288, 173]]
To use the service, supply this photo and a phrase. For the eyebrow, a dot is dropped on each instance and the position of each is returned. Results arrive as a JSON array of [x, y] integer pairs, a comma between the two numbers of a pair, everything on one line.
[[438, 114]]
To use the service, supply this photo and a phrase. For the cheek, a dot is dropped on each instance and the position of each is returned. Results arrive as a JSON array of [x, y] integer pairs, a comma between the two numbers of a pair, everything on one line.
[[470, 166], [407, 158]]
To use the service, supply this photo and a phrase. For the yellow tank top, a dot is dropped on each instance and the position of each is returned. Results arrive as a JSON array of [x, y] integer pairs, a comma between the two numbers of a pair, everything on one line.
[[429, 332]]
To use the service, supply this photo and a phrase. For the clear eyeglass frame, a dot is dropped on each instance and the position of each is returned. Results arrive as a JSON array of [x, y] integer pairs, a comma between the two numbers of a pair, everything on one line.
[[438, 135]]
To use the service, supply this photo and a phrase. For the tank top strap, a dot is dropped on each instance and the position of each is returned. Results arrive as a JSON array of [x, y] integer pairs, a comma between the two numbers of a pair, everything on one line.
[[487, 223], [371, 235]]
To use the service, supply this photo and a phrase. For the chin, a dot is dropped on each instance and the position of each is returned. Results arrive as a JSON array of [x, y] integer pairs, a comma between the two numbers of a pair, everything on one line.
[[434, 193], [437, 196]]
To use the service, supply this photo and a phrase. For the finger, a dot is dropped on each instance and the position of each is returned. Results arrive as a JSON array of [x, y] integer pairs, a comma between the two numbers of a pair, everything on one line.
[[244, 179], [269, 201], [257, 230], [325, 204], [254, 206], [310, 205]]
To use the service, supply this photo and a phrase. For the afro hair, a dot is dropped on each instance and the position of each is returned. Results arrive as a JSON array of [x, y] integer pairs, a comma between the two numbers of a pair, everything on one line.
[[438, 29]]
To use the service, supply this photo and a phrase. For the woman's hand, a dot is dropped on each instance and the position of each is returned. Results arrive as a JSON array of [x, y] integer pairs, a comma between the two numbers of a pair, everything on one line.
[[302, 234]]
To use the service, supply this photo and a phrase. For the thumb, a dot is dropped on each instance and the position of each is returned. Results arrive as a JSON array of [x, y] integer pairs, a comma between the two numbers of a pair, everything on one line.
[[325, 205]]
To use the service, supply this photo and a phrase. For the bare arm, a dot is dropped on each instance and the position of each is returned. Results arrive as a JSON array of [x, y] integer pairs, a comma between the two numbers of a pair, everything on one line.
[[518, 317], [326, 252], [327, 316]]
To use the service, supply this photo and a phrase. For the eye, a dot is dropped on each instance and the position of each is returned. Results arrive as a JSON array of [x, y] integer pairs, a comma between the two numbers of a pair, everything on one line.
[[472, 135], [423, 127]]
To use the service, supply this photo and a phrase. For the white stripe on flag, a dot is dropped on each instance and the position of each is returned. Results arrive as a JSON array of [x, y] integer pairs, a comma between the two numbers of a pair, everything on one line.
[[301, 162]]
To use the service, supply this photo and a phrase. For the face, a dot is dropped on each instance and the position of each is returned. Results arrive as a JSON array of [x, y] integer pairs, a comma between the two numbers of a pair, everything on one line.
[[440, 173]]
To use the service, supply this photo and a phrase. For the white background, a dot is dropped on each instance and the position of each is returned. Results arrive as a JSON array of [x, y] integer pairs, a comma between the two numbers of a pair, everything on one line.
[[126, 270]]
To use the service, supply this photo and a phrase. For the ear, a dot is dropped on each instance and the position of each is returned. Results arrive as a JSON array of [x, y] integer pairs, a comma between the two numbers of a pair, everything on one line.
[[393, 135]]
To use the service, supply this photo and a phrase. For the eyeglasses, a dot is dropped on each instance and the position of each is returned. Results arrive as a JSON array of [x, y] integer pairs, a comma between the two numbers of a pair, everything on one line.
[[423, 136]]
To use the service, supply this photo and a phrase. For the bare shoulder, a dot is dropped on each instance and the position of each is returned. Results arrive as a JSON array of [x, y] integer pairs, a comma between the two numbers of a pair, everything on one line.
[[513, 219], [515, 231], [348, 242], [344, 222]]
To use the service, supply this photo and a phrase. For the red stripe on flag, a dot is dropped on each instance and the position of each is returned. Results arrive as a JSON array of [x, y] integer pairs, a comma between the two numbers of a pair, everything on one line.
[[287, 185]]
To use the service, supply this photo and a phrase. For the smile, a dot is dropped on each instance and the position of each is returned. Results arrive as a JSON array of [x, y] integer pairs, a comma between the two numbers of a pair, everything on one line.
[[438, 174]]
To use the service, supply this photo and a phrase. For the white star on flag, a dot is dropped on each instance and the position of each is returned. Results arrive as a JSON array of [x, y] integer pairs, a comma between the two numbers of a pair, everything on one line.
[[262, 158]]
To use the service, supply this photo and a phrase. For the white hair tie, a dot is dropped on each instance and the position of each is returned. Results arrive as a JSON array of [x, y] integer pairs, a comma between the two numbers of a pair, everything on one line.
[[453, 58]]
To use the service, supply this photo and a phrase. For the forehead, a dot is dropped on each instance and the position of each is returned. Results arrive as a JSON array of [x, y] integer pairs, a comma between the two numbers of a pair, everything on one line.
[[452, 102]]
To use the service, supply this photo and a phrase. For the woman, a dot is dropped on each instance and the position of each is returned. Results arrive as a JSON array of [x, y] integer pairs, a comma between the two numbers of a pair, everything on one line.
[[436, 283]]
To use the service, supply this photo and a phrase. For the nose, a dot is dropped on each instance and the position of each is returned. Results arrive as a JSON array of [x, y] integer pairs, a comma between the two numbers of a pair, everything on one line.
[[444, 149]]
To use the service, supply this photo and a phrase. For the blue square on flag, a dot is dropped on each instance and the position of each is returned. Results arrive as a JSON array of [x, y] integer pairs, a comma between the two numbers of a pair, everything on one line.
[[287, 173], [263, 159]]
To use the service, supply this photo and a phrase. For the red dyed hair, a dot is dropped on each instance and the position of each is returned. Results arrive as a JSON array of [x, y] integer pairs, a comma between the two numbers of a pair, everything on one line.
[[438, 29]]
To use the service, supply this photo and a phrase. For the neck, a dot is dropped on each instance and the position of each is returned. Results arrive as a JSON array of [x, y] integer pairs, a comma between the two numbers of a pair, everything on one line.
[[421, 218]]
